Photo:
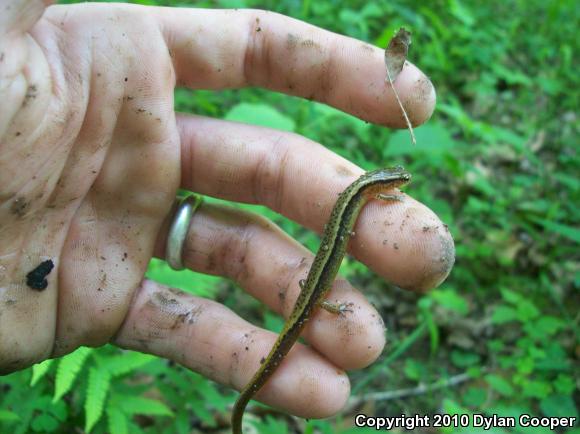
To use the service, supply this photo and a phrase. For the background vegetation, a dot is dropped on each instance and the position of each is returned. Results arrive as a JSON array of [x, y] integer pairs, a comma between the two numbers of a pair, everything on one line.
[[499, 162]]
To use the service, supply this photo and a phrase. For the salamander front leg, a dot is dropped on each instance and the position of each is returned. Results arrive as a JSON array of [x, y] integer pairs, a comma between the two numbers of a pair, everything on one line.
[[337, 308], [390, 197]]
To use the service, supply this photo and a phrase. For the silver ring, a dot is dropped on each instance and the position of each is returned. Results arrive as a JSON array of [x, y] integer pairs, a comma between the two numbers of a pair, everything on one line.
[[176, 238]]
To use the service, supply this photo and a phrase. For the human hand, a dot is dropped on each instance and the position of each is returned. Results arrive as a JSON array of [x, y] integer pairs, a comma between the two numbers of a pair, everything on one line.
[[92, 154]]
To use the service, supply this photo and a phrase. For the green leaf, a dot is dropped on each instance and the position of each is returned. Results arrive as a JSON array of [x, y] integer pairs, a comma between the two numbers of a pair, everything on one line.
[[181, 423], [461, 12], [117, 421], [406, 343], [131, 405], [564, 384], [550, 324], [233, 4], [97, 389], [511, 75], [464, 359], [559, 406], [556, 358], [544, 327], [495, 345], [414, 369], [449, 299], [203, 413], [569, 181], [510, 296], [187, 280], [527, 310], [260, 114], [433, 139], [503, 314], [67, 371], [40, 370], [453, 407], [271, 424], [474, 397], [525, 365], [558, 228], [433, 330], [273, 322], [44, 423], [536, 389], [475, 371], [58, 409], [499, 384], [127, 362], [8, 416]]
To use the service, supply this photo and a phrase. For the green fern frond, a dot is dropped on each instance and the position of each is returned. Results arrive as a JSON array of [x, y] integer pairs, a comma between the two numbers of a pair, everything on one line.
[[40, 370], [117, 420], [127, 362], [131, 405], [67, 371], [97, 389]]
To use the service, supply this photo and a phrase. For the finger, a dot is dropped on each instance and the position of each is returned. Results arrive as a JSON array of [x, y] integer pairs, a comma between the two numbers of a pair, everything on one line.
[[19, 16], [268, 264], [210, 339], [403, 241], [232, 49]]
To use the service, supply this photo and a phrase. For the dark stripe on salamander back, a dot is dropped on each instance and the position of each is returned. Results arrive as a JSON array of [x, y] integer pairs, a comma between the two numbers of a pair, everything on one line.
[[322, 272]]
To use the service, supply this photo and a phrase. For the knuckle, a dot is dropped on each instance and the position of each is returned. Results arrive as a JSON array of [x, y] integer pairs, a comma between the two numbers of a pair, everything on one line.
[[258, 54], [326, 77], [15, 355], [269, 175], [237, 246]]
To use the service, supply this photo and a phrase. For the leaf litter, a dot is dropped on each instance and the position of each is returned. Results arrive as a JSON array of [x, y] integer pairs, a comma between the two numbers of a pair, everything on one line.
[[395, 58]]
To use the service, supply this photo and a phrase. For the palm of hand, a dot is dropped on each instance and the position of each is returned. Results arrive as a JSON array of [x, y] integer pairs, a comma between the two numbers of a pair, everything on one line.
[[91, 190]]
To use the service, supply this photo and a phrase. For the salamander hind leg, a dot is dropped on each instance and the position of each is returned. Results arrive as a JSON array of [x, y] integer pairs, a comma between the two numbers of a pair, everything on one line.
[[337, 308]]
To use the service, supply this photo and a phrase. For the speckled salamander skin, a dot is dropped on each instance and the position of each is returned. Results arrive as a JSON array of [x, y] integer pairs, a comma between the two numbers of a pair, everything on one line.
[[322, 273]]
